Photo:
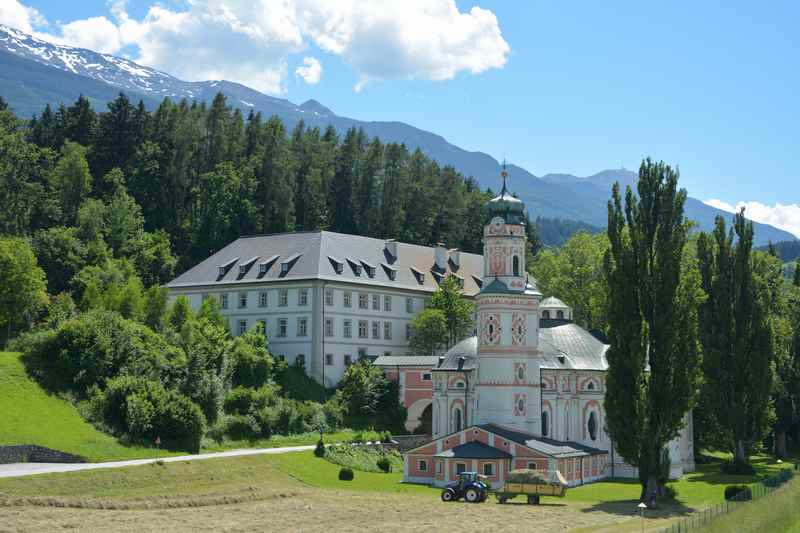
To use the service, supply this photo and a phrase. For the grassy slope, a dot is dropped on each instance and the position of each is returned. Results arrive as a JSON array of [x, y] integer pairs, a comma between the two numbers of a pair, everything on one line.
[[31, 416], [779, 513]]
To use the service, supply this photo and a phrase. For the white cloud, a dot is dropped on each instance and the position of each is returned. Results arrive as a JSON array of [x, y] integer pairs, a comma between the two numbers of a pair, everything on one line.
[[310, 70], [250, 41], [95, 33], [782, 216], [19, 16]]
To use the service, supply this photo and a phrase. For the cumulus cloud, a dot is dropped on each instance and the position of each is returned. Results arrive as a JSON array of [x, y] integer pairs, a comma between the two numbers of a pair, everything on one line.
[[782, 216], [251, 41], [19, 16], [310, 70]]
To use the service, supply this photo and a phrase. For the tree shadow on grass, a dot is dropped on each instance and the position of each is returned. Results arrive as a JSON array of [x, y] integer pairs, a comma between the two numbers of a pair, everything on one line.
[[665, 509]]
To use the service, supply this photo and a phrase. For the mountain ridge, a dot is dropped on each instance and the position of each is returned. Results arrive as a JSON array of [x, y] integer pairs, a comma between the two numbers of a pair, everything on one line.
[[35, 72]]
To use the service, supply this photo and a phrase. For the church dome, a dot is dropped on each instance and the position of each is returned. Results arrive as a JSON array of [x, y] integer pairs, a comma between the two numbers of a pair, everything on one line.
[[505, 205]]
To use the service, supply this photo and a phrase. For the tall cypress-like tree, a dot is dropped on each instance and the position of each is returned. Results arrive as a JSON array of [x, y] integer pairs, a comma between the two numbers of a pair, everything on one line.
[[653, 357], [275, 190], [797, 272], [736, 336]]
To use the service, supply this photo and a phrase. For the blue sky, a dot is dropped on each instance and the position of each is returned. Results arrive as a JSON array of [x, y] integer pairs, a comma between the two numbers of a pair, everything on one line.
[[710, 86]]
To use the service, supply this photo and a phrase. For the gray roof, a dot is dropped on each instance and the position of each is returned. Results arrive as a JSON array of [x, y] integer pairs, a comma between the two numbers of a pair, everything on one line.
[[474, 450], [407, 360], [579, 348], [468, 349], [551, 447], [316, 255], [552, 301]]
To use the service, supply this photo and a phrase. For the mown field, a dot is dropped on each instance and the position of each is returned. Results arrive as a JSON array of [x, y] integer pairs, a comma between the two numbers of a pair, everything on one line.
[[777, 513], [300, 492]]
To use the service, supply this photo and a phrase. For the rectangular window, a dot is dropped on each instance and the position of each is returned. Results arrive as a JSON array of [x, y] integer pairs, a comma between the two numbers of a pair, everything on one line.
[[206, 297], [438, 467], [302, 298], [423, 465], [426, 376], [329, 359], [328, 296], [387, 303], [387, 354], [300, 360], [531, 466], [242, 300], [409, 305], [281, 357], [329, 327], [362, 329], [348, 360], [408, 332], [283, 297], [362, 301], [242, 327], [461, 468], [376, 330], [263, 323], [362, 353], [262, 299], [348, 329], [376, 302], [282, 327], [387, 330], [302, 327], [223, 301], [488, 469], [348, 299]]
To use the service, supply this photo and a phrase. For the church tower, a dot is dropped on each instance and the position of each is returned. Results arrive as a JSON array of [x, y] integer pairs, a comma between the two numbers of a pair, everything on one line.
[[508, 383]]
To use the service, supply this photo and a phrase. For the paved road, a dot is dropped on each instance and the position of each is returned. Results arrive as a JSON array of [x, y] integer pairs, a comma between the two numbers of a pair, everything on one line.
[[30, 469]]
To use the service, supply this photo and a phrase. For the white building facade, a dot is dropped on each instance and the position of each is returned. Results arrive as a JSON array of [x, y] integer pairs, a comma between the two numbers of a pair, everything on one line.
[[325, 299]]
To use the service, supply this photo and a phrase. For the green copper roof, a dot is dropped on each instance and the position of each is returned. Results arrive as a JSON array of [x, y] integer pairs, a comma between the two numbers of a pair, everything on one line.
[[506, 205]]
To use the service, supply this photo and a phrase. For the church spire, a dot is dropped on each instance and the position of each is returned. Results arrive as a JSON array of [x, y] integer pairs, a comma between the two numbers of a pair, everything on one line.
[[504, 174]]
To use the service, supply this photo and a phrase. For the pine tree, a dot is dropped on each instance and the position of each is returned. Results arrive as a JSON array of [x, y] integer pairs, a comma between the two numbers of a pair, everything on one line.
[[348, 160], [797, 272], [274, 188], [71, 180], [736, 336], [653, 357], [116, 137], [81, 121]]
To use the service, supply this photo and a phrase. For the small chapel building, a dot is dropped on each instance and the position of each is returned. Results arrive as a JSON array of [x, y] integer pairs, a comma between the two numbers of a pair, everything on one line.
[[525, 392]]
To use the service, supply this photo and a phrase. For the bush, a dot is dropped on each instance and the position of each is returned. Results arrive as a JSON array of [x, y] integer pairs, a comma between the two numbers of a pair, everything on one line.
[[346, 474], [384, 464], [386, 437], [319, 451], [241, 427], [298, 385], [738, 468], [738, 493]]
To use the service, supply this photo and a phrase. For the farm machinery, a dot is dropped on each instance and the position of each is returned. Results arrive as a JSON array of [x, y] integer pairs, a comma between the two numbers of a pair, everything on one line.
[[473, 488]]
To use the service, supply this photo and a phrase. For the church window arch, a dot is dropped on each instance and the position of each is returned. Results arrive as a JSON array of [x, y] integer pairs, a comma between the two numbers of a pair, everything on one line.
[[545, 314], [457, 419], [521, 373], [515, 265], [559, 314], [545, 423], [591, 425]]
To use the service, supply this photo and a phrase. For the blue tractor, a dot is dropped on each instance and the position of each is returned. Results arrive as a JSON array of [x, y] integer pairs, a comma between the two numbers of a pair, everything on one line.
[[469, 486]]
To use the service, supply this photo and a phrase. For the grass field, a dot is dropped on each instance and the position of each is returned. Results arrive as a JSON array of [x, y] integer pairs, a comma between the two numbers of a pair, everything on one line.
[[286, 483], [28, 415], [776, 513]]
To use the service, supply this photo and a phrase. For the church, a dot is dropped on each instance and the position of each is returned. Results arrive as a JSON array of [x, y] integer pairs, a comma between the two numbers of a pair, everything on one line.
[[525, 392]]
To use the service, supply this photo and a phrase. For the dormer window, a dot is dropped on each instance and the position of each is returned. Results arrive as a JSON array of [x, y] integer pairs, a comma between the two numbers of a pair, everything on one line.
[[391, 273], [356, 267], [264, 266], [225, 267], [289, 263], [337, 265], [245, 266]]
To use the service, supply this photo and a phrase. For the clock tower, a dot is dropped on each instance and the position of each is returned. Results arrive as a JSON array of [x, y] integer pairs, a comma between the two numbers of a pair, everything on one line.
[[508, 383]]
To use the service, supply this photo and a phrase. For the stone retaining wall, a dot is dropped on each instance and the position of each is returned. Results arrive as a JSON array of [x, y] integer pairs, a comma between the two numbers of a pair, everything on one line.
[[409, 442], [31, 453]]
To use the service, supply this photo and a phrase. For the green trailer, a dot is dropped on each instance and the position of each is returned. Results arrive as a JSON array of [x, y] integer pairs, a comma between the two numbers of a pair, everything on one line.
[[533, 484]]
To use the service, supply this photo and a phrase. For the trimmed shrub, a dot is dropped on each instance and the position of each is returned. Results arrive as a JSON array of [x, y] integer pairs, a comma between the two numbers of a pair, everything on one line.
[[384, 464], [319, 451], [738, 493], [346, 474]]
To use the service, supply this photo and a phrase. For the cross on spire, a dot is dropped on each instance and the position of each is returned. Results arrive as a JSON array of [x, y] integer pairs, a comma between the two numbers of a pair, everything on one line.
[[504, 174]]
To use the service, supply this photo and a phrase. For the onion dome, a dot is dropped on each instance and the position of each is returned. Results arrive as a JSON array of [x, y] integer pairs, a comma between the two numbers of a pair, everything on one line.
[[505, 205]]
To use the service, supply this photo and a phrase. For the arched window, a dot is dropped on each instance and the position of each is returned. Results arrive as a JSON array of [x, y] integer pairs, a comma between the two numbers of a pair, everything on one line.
[[545, 423], [559, 314], [545, 314], [520, 373], [566, 424], [457, 419], [515, 263], [592, 426], [590, 386]]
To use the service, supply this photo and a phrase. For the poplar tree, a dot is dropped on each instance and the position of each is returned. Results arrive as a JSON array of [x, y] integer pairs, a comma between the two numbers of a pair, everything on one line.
[[736, 336], [653, 295]]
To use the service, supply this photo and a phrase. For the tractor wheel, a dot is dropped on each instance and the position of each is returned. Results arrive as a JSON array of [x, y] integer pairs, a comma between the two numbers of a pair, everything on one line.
[[502, 499], [533, 500], [448, 495], [472, 495]]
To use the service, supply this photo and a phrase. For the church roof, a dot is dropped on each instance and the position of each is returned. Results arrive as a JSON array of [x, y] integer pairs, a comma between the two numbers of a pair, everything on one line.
[[562, 346], [552, 301], [551, 447], [468, 349], [407, 360], [474, 450]]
